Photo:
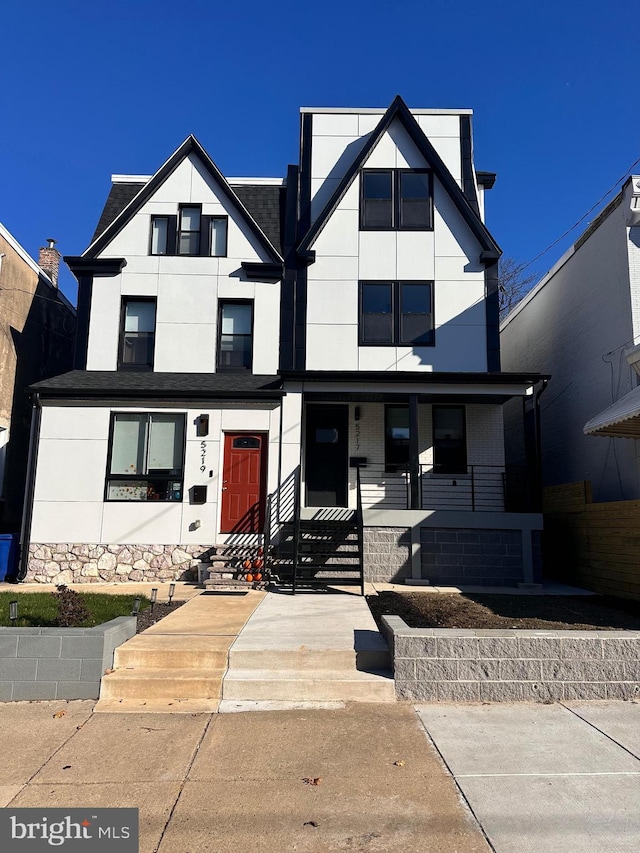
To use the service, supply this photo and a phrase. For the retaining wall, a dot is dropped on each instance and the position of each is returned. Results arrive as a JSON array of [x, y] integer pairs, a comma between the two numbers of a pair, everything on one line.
[[59, 663], [450, 664]]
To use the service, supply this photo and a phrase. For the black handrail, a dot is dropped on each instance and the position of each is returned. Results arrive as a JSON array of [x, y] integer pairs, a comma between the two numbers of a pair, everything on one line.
[[296, 525], [360, 528]]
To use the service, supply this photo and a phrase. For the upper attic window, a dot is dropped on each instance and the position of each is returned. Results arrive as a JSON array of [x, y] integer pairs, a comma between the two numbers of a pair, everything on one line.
[[396, 200], [189, 233]]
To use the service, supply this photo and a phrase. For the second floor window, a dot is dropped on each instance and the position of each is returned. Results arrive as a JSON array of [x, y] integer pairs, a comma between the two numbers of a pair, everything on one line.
[[235, 340], [395, 200], [137, 334], [396, 313]]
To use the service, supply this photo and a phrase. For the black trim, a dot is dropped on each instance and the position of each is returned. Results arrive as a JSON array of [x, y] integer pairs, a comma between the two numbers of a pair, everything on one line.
[[466, 159], [261, 272], [304, 223], [29, 495], [486, 179], [181, 231], [123, 305], [399, 110], [422, 377], [492, 314], [287, 288], [306, 143], [81, 346], [189, 146]]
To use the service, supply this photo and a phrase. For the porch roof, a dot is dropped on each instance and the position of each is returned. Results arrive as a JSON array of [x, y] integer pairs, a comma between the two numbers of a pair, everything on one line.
[[429, 387], [622, 419]]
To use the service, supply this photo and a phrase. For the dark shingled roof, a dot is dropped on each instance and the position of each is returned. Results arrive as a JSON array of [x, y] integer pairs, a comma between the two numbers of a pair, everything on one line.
[[265, 204], [160, 386], [119, 197]]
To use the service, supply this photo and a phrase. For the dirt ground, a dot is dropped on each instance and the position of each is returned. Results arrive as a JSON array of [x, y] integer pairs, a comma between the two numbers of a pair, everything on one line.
[[545, 612], [149, 617]]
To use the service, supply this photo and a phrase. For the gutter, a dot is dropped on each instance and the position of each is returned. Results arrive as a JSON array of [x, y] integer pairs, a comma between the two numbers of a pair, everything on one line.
[[536, 406], [27, 508]]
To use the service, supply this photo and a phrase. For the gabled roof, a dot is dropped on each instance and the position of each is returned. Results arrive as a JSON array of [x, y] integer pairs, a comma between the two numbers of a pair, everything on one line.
[[189, 146], [399, 110]]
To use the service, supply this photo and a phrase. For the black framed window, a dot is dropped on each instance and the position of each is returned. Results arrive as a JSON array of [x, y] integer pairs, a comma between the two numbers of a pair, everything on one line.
[[396, 200], [396, 313], [146, 457], [449, 440], [218, 236], [160, 235], [235, 339], [189, 230], [137, 334], [396, 438]]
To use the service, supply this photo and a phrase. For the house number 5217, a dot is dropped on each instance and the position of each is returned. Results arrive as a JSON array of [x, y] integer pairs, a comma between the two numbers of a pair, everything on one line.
[[203, 456]]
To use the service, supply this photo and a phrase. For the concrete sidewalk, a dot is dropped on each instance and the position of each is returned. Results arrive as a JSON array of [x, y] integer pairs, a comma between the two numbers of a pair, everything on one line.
[[234, 783], [558, 778]]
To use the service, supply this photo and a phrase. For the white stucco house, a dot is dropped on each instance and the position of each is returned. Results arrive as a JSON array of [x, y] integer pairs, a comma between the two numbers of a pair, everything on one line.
[[315, 349], [581, 324]]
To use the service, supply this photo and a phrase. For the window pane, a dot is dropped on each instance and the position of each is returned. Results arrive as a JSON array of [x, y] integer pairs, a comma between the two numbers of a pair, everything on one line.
[[415, 320], [376, 299], [159, 229], [377, 185], [396, 436], [190, 243], [415, 298], [236, 319], [138, 348], [377, 329], [166, 436], [235, 351], [218, 237], [414, 185], [449, 442], [448, 424], [140, 317], [377, 214], [127, 490], [190, 219], [415, 213], [127, 453], [416, 329]]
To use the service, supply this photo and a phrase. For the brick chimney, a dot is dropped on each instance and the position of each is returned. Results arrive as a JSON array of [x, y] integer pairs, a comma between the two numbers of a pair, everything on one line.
[[49, 260]]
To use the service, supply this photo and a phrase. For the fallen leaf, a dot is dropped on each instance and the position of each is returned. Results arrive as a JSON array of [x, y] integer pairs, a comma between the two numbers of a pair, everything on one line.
[[67, 767], [310, 823], [399, 763], [310, 780], [109, 671], [59, 714]]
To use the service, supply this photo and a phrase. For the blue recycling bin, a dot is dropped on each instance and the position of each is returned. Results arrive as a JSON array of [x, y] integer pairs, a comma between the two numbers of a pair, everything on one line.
[[8, 554]]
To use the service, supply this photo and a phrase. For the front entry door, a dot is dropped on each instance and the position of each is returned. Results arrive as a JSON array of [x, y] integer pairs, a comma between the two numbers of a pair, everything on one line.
[[326, 449], [243, 482]]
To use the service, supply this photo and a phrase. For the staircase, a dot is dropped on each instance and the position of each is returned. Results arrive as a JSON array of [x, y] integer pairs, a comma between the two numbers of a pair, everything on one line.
[[225, 572]]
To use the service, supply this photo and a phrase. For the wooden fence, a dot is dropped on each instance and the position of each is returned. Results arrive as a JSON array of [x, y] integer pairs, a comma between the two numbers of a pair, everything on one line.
[[593, 545]]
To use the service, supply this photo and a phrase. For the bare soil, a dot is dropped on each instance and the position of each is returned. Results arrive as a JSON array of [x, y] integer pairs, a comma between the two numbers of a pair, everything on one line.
[[154, 613], [544, 612]]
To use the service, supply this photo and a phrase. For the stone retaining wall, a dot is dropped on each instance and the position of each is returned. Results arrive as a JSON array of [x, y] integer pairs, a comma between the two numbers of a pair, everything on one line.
[[59, 663], [85, 563], [442, 664], [387, 554]]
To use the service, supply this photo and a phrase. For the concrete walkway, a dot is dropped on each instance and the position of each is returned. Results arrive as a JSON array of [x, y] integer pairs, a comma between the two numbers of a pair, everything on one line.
[[558, 778], [234, 783]]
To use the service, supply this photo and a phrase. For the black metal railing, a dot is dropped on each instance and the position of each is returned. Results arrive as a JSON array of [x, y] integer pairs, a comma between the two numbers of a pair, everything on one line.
[[359, 518], [478, 488], [282, 506]]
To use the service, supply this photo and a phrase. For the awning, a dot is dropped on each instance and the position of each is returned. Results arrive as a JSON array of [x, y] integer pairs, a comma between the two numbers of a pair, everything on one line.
[[622, 419]]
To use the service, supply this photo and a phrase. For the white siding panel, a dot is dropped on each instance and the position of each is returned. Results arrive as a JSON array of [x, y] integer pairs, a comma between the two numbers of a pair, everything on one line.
[[141, 264], [234, 288], [132, 240], [460, 347], [332, 347], [340, 234], [74, 422], [180, 265], [377, 358], [321, 191], [241, 243], [407, 155], [191, 299], [383, 155], [416, 260], [61, 521], [141, 521], [139, 284], [328, 158], [449, 150], [185, 348], [378, 255], [453, 237], [368, 123], [266, 330], [104, 325], [176, 189], [335, 124], [333, 302], [439, 125], [459, 302], [71, 469], [335, 269], [458, 269], [248, 420]]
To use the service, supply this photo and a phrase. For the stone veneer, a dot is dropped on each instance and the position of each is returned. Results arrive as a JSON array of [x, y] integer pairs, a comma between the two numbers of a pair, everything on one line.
[[455, 665], [85, 563], [387, 554]]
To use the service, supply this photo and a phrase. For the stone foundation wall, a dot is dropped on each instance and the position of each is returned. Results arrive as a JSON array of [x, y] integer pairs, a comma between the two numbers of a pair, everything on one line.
[[85, 563], [455, 557], [455, 665], [387, 554]]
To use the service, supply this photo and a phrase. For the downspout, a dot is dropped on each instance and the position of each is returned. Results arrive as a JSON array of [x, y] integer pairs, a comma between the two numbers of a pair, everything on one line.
[[539, 393], [27, 507]]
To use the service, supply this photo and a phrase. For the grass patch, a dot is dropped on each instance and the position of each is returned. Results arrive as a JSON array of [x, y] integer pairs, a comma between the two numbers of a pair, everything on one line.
[[39, 609]]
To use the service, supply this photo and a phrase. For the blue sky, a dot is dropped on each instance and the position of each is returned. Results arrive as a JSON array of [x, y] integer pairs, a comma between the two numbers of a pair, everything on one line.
[[95, 88]]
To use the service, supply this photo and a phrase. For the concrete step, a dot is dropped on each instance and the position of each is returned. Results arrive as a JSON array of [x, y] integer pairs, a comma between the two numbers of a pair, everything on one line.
[[327, 660], [311, 685], [157, 706], [227, 585], [173, 652], [167, 684]]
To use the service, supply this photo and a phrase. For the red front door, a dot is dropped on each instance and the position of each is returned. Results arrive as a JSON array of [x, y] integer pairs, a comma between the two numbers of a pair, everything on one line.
[[243, 482]]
